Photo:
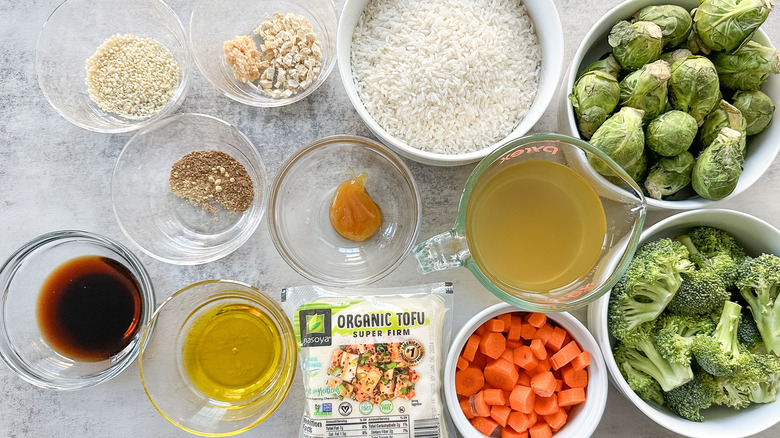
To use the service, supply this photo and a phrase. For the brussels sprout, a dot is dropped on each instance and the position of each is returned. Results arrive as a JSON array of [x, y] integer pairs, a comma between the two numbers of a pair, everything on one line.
[[748, 67], [621, 138], [727, 24], [608, 65], [718, 167], [696, 45], [638, 170], [694, 87], [594, 98], [675, 22], [645, 89], [669, 175], [635, 44], [725, 116], [671, 133], [756, 107], [670, 57]]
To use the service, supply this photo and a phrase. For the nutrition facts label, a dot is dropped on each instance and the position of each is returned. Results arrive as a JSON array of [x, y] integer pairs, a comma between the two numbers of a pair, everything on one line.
[[394, 426]]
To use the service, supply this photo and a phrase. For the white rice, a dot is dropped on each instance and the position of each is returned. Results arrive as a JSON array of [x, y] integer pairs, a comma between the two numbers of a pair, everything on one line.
[[447, 76]]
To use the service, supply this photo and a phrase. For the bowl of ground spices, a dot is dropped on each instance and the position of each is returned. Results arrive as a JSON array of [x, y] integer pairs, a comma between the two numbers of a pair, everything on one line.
[[113, 65], [189, 189]]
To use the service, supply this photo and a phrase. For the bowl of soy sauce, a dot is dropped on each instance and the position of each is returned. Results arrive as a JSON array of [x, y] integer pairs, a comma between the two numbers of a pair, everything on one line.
[[73, 306]]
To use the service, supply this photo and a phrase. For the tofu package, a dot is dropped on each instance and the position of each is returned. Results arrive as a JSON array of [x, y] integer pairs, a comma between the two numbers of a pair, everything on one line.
[[372, 359]]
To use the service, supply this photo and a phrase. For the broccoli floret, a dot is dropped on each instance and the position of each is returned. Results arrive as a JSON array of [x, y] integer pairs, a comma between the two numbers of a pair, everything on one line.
[[757, 382], [748, 334], [726, 394], [646, 387], [643, 356], [700, 292], [652, 278], [689, 399], [711, 241], [720, 353], [758, 280], [723, 263], [674, 335]]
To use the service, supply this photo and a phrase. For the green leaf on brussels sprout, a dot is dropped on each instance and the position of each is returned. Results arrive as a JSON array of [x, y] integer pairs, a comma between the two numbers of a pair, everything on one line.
[[725, 116], [671, 133], [675, 22], [646, 89], [620, 137], [594, 97], [636, 44], [748, 67], [607, 65], [694, 87], [669, 175], [718, 167], [725, 25], [756, 107]]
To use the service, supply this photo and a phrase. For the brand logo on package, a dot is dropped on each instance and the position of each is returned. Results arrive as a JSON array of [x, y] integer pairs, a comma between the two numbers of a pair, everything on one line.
[[315, 327]]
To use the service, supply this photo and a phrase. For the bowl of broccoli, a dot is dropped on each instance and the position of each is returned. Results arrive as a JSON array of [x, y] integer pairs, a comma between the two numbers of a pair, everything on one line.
[[691, 333]]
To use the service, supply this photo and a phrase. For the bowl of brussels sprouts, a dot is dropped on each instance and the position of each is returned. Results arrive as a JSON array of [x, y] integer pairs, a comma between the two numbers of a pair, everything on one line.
[[681, 94]]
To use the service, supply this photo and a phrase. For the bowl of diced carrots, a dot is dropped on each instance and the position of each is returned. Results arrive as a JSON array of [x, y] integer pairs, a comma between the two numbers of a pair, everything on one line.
[[512, 373]]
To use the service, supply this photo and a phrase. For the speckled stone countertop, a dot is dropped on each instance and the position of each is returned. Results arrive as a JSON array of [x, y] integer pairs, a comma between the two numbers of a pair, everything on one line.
[[54, 176]]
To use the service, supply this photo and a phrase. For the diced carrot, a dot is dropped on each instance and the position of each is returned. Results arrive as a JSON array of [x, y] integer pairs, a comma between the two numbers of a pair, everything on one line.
[[480, 360], [558, 384], [544, 365], [558, 336], [543, 384], [492, 344], [544, 332], [494, 397], [571, 396], [574, 378], [539, 430], [480, 330], [532, 418], [565, 355], [494, 325], [537, 319], [524, 357], [485, 426], [507, 394], [501, 374], [567, 338], [465, 406], [508, 432], [518, 421], [508, 355], [469, 381], [462, 363], [527, 331], [515, 329], [471, 347], [546, 405], [557, 420], [512, 344], [500, 414], [581, 361], [524, 379], [478, 405], [537, 347], [507, 318], [522, 399]]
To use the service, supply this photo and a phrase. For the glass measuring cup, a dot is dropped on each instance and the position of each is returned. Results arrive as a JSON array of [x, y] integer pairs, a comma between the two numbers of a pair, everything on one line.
[[554, 277]]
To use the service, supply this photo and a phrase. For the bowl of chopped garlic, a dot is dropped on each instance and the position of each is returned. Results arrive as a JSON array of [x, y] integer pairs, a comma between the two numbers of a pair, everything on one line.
[[264, 53], [113, 65]]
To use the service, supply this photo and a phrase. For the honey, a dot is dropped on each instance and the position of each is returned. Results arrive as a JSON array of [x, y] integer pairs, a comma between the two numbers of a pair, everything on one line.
[[353, 214]]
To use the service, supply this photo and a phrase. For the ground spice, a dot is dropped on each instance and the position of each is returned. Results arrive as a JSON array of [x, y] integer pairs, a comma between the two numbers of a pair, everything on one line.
[[208, 178]]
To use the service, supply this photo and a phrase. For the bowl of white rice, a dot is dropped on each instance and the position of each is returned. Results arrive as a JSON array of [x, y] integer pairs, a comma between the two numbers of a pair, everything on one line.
[[446, 82]]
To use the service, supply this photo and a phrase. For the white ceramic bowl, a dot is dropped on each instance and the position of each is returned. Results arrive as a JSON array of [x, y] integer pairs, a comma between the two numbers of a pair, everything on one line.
[[550, 34], [762, 148], [756, 236], [583, 418]]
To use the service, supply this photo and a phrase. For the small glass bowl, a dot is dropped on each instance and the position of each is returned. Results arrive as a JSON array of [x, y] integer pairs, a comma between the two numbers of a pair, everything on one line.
[[23, 347], [164, 377], [300, 200], [72, 33], [215, 21], [170, 228]]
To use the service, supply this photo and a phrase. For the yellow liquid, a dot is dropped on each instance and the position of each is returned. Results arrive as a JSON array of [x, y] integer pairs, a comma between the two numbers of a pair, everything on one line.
[[231, 353], [535, 225]]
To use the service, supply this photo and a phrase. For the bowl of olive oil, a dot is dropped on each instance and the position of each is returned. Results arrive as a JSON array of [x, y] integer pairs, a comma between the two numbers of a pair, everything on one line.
[[218, 358]]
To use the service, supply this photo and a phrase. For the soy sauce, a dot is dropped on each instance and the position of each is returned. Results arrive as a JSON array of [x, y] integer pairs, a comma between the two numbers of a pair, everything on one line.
[[89, 308]]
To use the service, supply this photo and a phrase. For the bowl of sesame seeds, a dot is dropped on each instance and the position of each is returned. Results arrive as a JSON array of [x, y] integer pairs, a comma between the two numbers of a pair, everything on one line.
[[113, 65], [189, 189]]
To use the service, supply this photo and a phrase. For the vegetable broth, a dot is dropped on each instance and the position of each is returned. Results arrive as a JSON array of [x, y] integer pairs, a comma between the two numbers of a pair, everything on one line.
[[535, 225]]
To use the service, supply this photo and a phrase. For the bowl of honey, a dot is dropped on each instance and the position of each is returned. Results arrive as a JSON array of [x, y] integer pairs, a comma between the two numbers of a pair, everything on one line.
[[73, 307], [218, 357], [344, 211]]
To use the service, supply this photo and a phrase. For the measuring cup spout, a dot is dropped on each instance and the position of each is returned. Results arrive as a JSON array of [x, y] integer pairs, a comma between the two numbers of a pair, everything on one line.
[[442, 251]]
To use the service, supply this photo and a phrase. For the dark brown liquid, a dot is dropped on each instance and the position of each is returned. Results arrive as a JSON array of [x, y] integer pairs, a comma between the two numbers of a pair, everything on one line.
[[89, 308]]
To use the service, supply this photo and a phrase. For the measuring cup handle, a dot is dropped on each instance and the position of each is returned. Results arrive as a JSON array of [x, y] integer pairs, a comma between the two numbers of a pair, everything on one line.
[[442, 251]]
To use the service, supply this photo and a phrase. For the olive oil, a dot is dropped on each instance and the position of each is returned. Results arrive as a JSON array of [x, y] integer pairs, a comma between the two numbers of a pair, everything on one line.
[[535, 225], [231, 353]]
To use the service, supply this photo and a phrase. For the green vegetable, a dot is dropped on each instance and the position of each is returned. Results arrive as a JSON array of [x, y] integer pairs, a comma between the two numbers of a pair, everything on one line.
[[638, 170], [724, 25], [758, 280], [748, 67], [636, 44], [645, 89], [608, 65], [701, 292], [670, 57], [694, 87], [642, 355], [690, 398], [756, 381], [720, 353], [718, 167], [594, 97], [675, 22], [748, 334], [724, 116], [669, 175], [620, 137], [756, 107], [646, 387], [714, 249], [674, 335], [671, 133]]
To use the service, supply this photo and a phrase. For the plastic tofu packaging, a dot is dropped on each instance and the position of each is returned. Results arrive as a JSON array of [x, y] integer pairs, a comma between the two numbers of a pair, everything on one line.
[[372, 359]]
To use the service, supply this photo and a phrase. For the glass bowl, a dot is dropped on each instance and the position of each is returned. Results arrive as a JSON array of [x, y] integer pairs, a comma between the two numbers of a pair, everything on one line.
[[215, 21], [23, 344], [171, 355], [299, 211], [170, 228], [76, 29]]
